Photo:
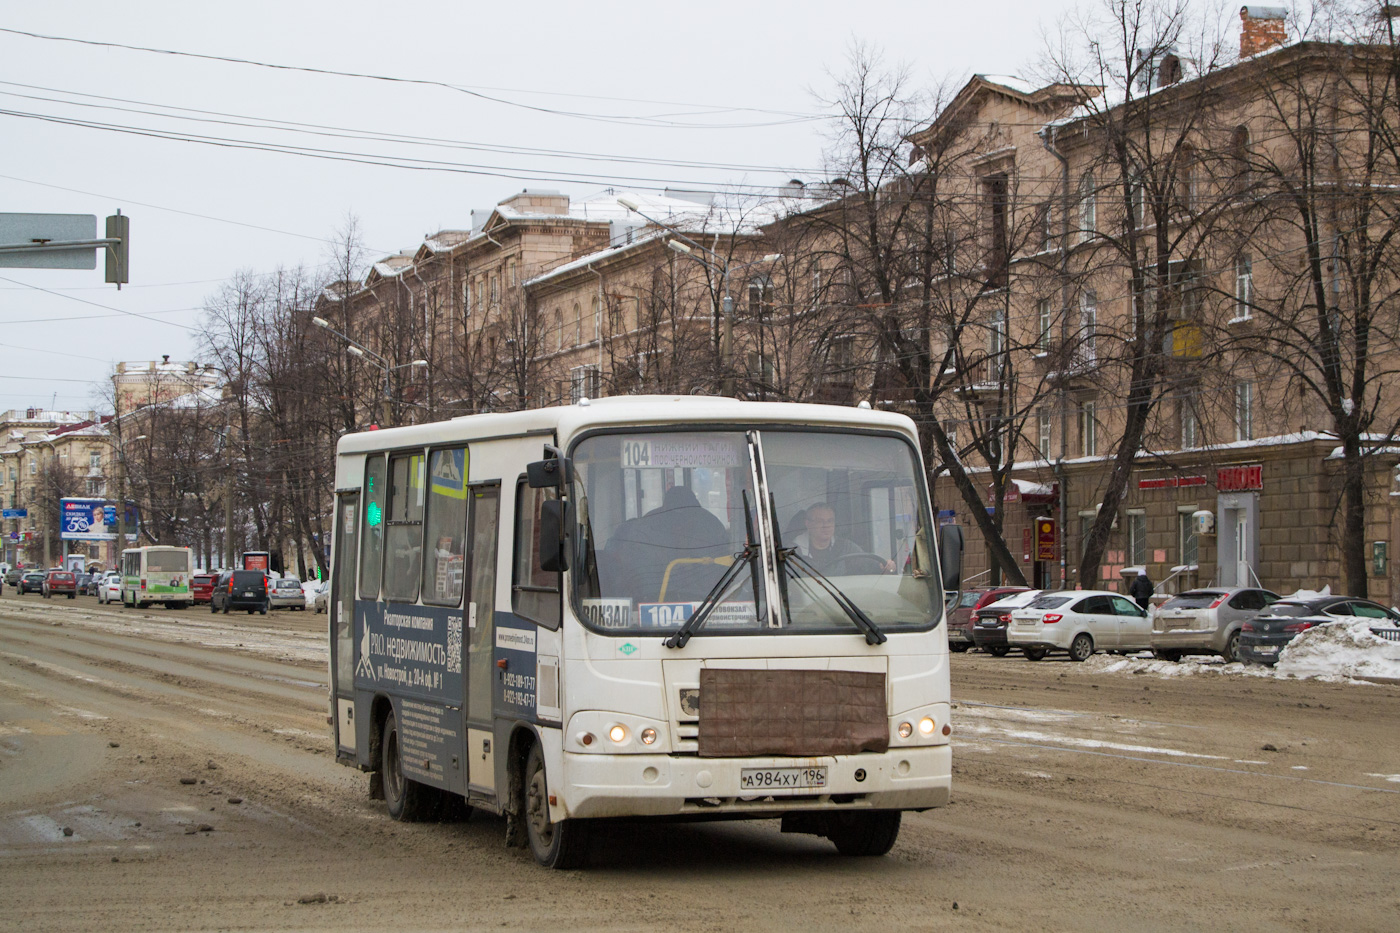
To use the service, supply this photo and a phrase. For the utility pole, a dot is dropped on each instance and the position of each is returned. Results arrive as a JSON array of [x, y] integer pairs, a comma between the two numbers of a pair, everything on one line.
[[228, 505]]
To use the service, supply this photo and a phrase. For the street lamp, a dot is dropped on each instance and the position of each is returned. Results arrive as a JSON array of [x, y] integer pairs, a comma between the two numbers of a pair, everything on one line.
[[357, 349], [717, 265], [121, 494]]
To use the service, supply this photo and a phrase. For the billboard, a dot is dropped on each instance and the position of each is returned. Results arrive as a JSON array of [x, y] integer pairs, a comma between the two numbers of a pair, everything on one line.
[[93, 520]]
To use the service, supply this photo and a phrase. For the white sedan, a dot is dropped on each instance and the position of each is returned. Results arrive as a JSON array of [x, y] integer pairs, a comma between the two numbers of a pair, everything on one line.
[[110, 589], [1079, 622]]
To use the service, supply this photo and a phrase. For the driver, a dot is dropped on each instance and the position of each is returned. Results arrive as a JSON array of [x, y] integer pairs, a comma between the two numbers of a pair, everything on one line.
[[823, 550]]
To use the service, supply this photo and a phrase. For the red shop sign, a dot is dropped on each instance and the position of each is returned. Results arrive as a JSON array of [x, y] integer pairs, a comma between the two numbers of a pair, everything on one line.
[[1240, 478]]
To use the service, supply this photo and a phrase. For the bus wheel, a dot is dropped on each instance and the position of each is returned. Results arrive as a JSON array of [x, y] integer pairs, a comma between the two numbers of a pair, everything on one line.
[[554, 845], [409, 801], [869, 833]]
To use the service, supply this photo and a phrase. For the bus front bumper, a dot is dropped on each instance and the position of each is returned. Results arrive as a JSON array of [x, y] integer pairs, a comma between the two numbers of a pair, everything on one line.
[[663, 785]]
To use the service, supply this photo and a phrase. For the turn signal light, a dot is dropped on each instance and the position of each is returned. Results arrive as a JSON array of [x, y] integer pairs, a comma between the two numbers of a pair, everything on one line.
[[1050, 617], [618, 734], [926, 726], [586, 739]]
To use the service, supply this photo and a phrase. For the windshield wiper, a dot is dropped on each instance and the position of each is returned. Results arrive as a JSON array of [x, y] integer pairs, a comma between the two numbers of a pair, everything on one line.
[[745, 558], [873, 635]]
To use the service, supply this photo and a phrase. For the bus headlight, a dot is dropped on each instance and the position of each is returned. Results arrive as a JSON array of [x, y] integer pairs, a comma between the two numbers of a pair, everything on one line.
[[648, 735], [926, 726], [618, 734]]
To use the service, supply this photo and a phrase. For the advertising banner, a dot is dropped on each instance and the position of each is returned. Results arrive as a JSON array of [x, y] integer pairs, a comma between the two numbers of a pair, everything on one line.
[[93, 520]]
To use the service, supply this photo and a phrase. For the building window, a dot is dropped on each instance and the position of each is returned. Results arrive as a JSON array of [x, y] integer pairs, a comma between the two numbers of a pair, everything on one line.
[[1088, 207], [1190, 426], [495, 288], [1044, 425], [1088, 326], [33, 465], [1190, 550], [760, 295], [96, 487], [996, 336], [1047, 225], [1244, 286], [94, 462], [1088, 429], [1244, 411], [1137, 538], [585, 382], [1042, 319], [510, 273]]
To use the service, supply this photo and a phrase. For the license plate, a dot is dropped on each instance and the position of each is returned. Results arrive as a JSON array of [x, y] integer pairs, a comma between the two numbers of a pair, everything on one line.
[[771, 779], [250, 593], [1266, 650]]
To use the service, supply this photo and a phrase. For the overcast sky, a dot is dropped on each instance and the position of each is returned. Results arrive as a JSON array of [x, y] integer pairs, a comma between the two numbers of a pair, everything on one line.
[[734, 83]]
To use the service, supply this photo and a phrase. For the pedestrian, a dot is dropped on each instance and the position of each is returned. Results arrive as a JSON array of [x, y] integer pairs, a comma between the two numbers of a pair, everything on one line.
[[1141, 589]]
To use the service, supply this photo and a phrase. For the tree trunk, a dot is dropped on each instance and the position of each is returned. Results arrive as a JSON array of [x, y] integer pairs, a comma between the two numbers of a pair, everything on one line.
[[1354, 570]]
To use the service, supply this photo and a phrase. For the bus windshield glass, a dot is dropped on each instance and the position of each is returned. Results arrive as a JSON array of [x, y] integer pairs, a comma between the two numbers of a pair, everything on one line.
[[663, 516]]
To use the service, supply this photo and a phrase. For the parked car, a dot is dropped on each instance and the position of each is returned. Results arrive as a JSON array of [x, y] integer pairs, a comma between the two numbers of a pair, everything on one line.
[[1079, 622], [12, 576], [202, 587], [110, 589], [960, 617], [991, 621], [286, 593], [240, 589], [1263, 637], [32, 582], [321, 601], [61, 582], [1206, 621]]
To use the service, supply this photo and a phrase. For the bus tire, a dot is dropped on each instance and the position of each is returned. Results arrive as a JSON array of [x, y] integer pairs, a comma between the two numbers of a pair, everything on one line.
[[870, 833], [409, 801], [561, 845], [143, 605]]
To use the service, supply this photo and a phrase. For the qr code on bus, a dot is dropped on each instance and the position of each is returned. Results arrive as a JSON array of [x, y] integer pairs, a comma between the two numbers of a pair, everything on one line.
[[454, 644]]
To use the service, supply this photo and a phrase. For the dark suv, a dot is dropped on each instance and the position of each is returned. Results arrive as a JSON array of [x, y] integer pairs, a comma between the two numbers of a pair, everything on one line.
[[240, 589]]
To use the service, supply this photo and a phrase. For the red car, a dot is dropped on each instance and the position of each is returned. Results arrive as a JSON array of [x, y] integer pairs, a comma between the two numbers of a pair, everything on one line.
[[202, 586], [962, 615], [64, 582]]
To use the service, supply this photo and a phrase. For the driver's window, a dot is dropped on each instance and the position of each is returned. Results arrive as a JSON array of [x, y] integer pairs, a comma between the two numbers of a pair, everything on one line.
[[1366, 610]]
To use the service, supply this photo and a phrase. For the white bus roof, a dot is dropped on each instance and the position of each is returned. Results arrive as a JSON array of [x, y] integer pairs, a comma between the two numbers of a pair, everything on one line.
[[568, 420]]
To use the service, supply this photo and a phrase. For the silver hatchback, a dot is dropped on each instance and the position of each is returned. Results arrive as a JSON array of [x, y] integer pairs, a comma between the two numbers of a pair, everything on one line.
[[1206, 621]]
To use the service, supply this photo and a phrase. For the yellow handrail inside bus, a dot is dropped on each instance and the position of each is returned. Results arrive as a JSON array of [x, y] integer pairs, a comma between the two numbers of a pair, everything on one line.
[[723, 561]]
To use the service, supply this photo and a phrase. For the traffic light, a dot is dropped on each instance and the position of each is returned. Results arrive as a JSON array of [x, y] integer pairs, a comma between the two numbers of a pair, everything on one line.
[[119, 229]]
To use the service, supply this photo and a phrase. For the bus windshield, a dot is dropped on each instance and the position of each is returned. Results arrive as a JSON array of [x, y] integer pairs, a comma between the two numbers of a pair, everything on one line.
[[663, 516], [168, 561]]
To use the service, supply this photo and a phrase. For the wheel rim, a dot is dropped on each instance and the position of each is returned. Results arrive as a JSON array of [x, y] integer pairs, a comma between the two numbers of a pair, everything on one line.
[[393, 770], [537, 809], [1082, 648], [1232, 648]]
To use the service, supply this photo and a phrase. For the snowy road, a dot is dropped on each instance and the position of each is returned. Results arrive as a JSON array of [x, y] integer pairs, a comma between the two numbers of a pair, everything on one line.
[[1089, 796]]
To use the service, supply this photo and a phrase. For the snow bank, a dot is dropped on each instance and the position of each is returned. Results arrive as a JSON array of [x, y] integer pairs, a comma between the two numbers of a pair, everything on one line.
[[1340, 649]]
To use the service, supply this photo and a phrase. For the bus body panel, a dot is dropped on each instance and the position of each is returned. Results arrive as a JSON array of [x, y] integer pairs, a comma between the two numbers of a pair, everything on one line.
[[154, 574]]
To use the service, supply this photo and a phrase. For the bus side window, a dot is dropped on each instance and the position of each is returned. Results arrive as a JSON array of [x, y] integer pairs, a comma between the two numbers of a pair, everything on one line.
[[445, 527], [403, 541], [535, 592], [372, 522]]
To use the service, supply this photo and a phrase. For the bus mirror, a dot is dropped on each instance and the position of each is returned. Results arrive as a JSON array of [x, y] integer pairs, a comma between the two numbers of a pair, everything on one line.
[[550, 474], [950, 550], [554, 518]]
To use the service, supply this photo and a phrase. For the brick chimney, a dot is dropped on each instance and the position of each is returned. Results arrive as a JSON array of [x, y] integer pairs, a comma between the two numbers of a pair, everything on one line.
[[1262, 29]]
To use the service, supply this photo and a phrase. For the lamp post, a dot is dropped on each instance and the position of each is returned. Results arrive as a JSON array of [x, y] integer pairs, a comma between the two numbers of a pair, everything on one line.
[[716, 265], [357, 349]]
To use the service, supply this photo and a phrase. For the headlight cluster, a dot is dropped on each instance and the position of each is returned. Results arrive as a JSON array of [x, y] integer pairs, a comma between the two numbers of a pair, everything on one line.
[[610, 733], [925, 726]]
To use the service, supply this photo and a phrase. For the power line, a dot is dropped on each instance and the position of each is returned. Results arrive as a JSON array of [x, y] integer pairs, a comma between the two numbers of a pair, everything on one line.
[[95, 304], [623, 119]]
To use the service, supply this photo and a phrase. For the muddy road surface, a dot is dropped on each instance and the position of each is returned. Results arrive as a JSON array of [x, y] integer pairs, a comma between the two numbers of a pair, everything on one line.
[[167, 770]]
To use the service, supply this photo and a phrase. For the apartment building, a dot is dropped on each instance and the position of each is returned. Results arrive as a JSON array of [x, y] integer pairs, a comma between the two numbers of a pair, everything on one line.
[[1143, 275]]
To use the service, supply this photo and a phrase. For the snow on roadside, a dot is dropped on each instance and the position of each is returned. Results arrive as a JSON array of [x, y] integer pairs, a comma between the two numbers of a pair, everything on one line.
[[1337, 652], [1340, 649]]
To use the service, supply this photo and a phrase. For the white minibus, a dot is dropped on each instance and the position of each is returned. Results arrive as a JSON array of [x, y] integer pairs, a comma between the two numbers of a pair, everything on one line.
[[157, 574], [644, 607]]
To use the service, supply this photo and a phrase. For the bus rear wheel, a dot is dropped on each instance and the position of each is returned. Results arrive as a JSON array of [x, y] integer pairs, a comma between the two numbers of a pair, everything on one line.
[[409, 801], [560, 845], [864, 834]]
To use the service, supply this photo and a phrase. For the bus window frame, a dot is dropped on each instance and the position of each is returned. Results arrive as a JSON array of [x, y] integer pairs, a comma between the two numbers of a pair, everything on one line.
[[522, 487], [389, 505], [920, 472], [363, 519], [423, 590]]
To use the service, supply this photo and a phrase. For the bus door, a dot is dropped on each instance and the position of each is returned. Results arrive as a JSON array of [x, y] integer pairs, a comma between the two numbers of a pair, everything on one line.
[[341, 606], [480, 609]]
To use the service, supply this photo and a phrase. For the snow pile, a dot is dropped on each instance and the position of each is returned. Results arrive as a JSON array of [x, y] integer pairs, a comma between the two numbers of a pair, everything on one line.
[[1144, 663], [1340, 649]]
